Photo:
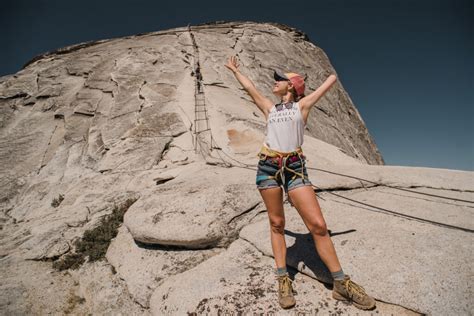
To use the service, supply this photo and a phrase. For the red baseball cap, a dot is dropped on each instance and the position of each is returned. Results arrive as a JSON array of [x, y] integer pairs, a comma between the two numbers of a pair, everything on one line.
[[296, 79]]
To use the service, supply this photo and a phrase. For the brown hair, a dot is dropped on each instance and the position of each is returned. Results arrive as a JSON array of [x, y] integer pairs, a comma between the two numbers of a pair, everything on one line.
[[295, 95]]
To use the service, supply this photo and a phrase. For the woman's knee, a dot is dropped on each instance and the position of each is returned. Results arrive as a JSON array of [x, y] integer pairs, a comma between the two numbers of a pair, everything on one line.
[[277, 224], [318, 228]]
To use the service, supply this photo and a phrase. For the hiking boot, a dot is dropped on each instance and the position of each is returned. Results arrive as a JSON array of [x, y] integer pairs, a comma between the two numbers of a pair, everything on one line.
[[285, 291], [347, 290]]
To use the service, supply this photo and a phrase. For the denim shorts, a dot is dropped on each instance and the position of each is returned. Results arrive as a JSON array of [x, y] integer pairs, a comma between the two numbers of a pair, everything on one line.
[[268, 167]]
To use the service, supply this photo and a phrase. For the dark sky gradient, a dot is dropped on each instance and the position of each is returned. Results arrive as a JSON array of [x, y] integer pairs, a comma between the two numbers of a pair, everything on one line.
[[407, 65]]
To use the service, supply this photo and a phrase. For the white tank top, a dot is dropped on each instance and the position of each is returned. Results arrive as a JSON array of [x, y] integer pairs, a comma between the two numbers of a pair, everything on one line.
[[285, 128]]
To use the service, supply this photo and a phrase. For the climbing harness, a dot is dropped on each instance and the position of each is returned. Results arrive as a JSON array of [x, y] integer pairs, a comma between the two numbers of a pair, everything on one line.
[[281, 158]]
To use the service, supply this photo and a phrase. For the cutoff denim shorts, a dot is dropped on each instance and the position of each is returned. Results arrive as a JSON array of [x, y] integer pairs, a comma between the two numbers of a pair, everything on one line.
[[268, 167]]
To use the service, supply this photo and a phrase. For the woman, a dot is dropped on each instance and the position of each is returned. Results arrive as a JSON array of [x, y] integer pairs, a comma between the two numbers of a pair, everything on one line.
[[282, 163]]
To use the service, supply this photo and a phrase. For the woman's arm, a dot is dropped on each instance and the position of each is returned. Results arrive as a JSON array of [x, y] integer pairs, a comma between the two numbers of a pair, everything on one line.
[[308, 101], [262, 102]]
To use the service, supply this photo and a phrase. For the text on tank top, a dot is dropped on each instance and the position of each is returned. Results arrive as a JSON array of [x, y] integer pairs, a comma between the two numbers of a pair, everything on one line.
[[285, 127]]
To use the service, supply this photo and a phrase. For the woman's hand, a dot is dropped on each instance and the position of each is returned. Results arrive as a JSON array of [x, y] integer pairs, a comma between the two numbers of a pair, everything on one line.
[[262, 102], [232, 64]]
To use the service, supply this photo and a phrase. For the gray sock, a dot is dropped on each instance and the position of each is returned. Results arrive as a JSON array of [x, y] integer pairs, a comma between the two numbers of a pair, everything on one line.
[[281, 271], [338, 275]]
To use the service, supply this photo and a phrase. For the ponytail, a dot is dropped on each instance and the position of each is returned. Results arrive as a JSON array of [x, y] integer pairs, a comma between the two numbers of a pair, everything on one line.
[[295, 95]]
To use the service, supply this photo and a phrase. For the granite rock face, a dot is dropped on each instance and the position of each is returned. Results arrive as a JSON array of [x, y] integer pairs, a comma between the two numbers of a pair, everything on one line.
[[157, 123], [135, 94]]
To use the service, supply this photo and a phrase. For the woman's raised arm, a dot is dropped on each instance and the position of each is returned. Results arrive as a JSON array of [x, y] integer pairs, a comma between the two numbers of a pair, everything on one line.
[[308, 101], [263, 103]]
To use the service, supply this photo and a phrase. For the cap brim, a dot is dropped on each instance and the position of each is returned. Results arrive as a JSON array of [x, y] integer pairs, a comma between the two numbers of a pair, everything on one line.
[[279, 76]]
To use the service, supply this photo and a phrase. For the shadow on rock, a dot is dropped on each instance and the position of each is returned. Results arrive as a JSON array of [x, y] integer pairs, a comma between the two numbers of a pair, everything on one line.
[[303, 255]]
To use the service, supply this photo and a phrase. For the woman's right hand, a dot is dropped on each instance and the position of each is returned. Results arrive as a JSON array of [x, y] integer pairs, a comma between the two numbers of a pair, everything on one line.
[[232, 64]]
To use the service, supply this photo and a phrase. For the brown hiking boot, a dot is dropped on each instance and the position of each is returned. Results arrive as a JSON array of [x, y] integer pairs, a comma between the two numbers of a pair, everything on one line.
[[348, 290], [285, 291]]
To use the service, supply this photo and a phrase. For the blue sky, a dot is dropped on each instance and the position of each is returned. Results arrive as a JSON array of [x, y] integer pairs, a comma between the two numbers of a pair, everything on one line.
[[406, 64]]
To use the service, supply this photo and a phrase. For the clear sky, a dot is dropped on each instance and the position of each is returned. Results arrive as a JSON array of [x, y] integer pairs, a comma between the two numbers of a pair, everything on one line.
[[406, 64]]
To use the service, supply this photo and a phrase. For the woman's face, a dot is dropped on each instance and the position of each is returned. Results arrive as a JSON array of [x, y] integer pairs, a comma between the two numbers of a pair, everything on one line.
[[280, 88]]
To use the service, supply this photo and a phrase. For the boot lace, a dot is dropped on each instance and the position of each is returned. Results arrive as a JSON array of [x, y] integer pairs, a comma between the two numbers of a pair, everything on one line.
[[286, 286], [354, 288]]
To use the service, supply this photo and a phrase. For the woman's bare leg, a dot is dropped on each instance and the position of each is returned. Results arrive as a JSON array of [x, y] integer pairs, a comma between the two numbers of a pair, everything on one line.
[[304, 200], [273, 198]]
